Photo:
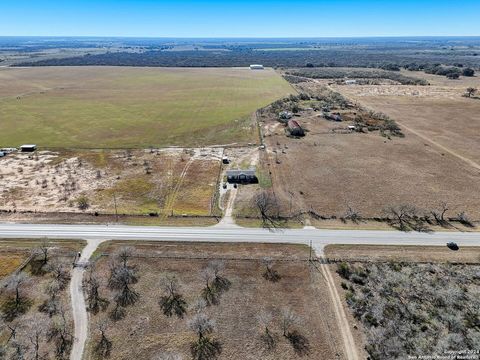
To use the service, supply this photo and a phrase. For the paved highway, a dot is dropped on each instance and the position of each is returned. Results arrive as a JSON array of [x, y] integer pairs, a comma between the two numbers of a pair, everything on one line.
[[319, 238]]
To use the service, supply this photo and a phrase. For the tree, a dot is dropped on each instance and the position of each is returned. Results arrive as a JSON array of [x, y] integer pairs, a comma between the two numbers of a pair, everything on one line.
[[51, 305], [470, 92], [289, 319], [95, 302], [220, 283], [17, 303], [172, 301], [83, 203], [463, 219], [205, 347], [269, 210], [270, 273], [61, 275], [299, 342], [42, 250], [468, 72], [61, 335], [402, 216], [122, 276], [209, 292], [352, 214], [35, 329], [268, 338], [439, 215], [103, 346]]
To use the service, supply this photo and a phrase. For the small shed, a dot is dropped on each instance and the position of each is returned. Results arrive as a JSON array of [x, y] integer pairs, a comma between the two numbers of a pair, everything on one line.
[[256, 67], [28, 148], [294, 128], [239, 176]]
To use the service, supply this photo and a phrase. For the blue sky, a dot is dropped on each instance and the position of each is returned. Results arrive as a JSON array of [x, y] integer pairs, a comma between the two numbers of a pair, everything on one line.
[[231, 18]]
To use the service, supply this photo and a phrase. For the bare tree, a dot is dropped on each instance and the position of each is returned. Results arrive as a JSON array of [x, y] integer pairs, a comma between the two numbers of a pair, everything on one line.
[[270, 273], [402, 216], [51, 305], [36, 328], [122, 276], [463, 218], [17, 303], [289, 319], [19, 351], [42, 250], [265, 320], [199, 305], [61, 336], [352, 215], [103, 346], [220, 282], [172, 301], [439, 215], [299, 342], [95, 302], [470, 92], [60, 274], [209, 293], [124, 254], [268, 208], [205, 347]]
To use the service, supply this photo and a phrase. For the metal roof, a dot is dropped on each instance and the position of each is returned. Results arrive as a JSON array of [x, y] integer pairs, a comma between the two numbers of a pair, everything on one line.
[[238, 172]]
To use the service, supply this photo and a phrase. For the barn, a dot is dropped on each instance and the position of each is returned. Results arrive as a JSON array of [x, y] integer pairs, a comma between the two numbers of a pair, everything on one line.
[[294, 128], [242, 176]]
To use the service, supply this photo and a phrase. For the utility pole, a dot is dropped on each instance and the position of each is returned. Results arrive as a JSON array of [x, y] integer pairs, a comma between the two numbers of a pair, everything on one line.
[[116, 211], [310, 256]]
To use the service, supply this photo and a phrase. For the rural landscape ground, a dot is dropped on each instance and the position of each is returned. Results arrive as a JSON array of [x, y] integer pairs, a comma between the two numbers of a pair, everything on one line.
[[121, 236]]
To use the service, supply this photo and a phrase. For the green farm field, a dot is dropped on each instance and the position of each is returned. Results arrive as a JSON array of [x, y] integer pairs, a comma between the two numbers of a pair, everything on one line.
[[128, 107]]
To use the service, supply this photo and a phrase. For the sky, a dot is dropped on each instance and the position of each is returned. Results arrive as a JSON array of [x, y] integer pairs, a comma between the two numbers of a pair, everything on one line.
[[232, 18]]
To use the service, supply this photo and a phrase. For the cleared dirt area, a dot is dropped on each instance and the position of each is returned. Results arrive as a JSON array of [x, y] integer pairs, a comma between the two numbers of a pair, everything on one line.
[[333, 168], [127, 107], [146, 331], [465, 254], [160, 182]]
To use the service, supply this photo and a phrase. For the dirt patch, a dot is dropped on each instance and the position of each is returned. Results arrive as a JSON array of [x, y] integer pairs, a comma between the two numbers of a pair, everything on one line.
[[149, 332], [127, 182]]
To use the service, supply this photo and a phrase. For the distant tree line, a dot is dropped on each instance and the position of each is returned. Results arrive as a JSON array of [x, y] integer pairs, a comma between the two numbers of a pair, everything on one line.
[[333, 57]]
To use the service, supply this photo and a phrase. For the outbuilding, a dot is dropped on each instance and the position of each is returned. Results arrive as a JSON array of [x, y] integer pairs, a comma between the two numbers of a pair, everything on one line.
[[2, 154], [256, 67], [242, 176], [28, 148], [294, 128]]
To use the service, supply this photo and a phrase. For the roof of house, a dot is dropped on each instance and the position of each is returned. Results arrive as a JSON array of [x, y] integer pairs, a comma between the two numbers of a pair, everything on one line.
[[238, 172], [28, 146]]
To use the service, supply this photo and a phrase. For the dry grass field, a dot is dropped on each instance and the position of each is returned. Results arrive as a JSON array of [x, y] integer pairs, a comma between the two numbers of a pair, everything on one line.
[[146, 331], [369, 172], [437, 112], [466, 254], [126, 107], [164, 182]]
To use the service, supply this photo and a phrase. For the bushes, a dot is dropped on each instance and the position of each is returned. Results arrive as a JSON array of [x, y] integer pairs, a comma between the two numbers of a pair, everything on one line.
[[405, 308]]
